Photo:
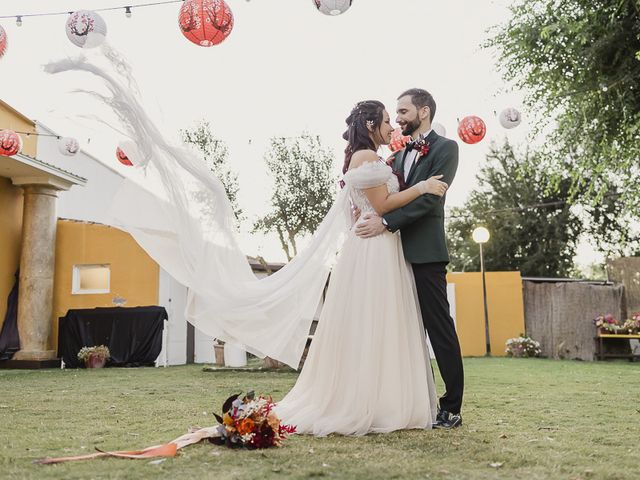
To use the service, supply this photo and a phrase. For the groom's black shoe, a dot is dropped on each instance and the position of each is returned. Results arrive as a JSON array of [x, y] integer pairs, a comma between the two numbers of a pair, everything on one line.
[[447, 420]]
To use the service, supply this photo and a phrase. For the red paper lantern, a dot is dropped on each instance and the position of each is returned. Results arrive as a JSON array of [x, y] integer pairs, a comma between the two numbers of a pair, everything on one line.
[[3, 42], [472, 129], [205, 22], [398, 141], [122, 157], [10, 143]]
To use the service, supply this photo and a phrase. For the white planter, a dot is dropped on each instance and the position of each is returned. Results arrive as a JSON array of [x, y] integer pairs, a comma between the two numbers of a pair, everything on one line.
[[234, 356]]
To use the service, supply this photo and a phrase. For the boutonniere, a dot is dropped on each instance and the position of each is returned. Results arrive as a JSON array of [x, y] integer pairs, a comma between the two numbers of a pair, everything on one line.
[[421, 145], [424, 149]]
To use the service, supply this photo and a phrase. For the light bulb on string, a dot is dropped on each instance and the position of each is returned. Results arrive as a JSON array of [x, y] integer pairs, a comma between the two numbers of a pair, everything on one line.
[[127, 12], [19, 20]]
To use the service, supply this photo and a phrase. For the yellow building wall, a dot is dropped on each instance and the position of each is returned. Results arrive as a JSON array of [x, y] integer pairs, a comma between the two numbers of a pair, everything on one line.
[[13, 120], [10, 239], [134, 275], [505, 307]]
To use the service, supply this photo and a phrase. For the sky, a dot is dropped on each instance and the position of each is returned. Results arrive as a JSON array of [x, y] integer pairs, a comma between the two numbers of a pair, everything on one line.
[[284, 69]]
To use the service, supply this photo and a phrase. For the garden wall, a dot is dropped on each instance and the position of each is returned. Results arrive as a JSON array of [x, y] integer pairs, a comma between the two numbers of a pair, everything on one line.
[[560, 315]]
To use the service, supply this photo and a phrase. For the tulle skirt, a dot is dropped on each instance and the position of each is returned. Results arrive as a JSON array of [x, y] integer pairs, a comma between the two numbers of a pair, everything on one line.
[[368, 367]]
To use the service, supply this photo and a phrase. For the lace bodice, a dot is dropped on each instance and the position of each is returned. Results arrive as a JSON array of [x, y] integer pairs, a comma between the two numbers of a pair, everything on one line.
[[366, 176]]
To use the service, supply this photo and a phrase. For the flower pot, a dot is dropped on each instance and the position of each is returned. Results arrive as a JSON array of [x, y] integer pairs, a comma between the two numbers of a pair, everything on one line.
[[95, 361]]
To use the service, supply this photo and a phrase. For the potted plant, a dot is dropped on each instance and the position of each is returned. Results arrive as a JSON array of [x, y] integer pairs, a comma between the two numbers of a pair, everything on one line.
[[94, 357], [607, 324], [523, 346]]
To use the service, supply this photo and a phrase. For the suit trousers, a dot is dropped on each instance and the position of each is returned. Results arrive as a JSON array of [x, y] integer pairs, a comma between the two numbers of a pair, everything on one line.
[[431, 284]]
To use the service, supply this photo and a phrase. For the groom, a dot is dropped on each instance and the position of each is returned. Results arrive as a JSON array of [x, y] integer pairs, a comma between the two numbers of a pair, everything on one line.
[[422, 225]]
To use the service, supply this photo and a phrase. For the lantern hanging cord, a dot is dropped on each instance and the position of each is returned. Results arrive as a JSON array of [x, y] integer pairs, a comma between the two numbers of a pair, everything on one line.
[[51, 14], [38, 134]]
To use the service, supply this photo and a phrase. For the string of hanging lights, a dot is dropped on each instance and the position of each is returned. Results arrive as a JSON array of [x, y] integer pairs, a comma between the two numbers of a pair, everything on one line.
[[209, 22]]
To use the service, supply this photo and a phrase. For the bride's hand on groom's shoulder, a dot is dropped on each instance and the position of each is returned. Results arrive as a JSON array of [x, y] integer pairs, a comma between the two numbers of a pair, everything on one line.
[[370, 226], [390, 159]]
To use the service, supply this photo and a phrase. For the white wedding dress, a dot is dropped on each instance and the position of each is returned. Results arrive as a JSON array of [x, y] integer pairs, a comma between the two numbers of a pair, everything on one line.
[[368, 369], [368, 365]]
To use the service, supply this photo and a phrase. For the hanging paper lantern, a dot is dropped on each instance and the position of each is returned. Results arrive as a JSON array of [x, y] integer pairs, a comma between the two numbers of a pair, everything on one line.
[[10, 143], [3, 42], [131, 153], [510, 118], [398, 141], [68, 146], [122, 157], [205, 22], [332, 7], [472, 129], [439, 129], [86, 29]]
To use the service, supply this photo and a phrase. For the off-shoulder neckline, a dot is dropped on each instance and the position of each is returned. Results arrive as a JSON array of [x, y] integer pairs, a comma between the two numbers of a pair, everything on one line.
[[380, 161]]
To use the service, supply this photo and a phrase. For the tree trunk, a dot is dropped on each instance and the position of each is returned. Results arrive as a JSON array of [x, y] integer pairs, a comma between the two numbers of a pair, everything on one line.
[[284, 244]]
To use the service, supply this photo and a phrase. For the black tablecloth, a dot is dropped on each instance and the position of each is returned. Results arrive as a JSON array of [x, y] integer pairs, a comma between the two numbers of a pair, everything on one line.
[[133, 335]]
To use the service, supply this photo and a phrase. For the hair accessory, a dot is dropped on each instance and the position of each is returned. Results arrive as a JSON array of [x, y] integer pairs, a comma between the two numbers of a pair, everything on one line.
[[370, 123]]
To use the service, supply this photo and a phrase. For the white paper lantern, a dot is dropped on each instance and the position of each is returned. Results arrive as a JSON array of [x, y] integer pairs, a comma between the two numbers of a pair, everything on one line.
[[86, 29], [510, 118], [439, 129], [332, 7], [68, 146]]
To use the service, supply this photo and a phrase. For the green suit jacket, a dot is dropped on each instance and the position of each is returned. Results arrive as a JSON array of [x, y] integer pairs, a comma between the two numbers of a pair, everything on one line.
[[421, 222]]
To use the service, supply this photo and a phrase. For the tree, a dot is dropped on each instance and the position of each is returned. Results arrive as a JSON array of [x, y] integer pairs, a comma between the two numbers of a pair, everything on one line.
[[304, 190], [532, 226], [215, 154], [579, 63]]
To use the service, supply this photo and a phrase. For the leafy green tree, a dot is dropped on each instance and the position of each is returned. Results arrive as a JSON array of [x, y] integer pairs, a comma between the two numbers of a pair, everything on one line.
[[578, 61], [533, 229], [304, 188], [216, 154]]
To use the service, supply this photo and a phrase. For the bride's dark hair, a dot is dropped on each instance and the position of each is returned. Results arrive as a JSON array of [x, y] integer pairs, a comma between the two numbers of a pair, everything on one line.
[[357, 134]]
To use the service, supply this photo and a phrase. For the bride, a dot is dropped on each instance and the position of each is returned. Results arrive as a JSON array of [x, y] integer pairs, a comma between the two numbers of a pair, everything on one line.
[[368, 366]]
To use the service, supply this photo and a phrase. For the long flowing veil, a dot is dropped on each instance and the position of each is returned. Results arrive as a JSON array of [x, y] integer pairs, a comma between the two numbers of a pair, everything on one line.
[[185, 222]]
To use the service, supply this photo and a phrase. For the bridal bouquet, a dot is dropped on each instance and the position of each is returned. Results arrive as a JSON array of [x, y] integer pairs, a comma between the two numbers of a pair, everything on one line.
[[250, 422]]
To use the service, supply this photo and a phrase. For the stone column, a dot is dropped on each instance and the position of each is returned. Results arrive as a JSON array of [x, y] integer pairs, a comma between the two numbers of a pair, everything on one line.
[[37, 263]]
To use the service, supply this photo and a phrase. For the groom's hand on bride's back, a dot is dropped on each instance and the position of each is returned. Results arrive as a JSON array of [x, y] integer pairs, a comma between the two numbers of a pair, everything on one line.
[[370, 226]]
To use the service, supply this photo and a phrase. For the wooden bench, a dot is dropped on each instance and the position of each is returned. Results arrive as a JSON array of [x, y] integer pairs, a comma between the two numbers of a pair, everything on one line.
[[600, 340]]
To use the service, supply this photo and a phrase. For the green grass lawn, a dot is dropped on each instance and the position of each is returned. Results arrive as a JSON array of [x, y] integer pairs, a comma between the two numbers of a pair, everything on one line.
[[523, 419]]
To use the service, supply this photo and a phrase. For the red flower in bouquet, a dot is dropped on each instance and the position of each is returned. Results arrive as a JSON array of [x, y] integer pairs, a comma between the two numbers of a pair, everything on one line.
[[250, 422]]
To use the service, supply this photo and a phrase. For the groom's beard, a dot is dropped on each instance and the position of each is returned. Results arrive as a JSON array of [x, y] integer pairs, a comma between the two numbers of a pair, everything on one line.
[[411, 126]]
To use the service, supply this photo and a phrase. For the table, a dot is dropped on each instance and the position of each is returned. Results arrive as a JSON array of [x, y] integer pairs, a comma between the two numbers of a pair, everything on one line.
[[601, 337], [133, 334]]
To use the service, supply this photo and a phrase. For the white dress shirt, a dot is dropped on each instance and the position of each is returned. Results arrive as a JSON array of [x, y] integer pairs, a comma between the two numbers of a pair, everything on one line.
[[411, 157]]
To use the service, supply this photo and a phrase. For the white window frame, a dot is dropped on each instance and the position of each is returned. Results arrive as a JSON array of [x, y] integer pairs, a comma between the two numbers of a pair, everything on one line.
[[75, 282]]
